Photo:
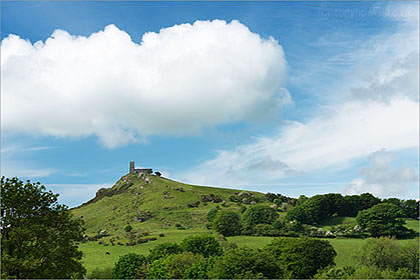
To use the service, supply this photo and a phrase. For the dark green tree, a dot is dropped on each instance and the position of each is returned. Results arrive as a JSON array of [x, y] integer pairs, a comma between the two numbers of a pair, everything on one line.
[[227, 223], [384, 219], [163, 250], [301, 257], [204, 245], [410, 208], [39, 236], [200, 269], [173, 266], [257, 214], [127, 265], [246, 263]]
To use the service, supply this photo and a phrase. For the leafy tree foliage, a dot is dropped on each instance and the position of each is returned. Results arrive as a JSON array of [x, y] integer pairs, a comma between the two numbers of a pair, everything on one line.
[[246, 263], [386, 253], [126, 266], [211, 214], [173, 266], [380, 252], [204, 245], [258, 214], [176, 265], [384, 219], [163, 250], [200, 270], [39, 236], [313, 210], [227, 223], [302, 257]]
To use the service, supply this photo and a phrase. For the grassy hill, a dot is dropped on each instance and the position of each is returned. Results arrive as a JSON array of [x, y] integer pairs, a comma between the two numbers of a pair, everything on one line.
[[155, 204], [164, 210]]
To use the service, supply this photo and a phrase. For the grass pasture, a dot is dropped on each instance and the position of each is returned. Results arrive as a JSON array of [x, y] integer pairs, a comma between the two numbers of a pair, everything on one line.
[[95, 257]]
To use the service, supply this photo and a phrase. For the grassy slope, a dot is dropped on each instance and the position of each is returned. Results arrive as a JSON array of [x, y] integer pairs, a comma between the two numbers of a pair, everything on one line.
[[99, 215], [166, 209]]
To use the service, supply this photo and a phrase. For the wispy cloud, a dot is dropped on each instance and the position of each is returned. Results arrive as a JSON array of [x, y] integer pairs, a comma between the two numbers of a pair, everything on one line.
[[376, 107], [380, 178]]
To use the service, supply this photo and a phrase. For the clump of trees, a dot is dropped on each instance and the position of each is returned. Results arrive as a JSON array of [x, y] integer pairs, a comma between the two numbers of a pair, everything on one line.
[[379, 258], [383, 219], [39, 236], [202, 257]]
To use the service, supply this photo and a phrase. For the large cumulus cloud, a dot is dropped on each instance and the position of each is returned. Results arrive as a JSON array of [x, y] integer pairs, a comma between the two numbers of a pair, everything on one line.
[[176, 81]]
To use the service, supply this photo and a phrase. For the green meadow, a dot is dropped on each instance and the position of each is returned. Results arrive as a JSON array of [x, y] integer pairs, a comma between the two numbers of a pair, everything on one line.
[[95, 254]]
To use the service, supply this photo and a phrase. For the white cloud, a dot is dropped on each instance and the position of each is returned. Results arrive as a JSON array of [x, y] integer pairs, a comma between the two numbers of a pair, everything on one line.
[[348, 132], [381, 178], [376, 107], [175, 81]]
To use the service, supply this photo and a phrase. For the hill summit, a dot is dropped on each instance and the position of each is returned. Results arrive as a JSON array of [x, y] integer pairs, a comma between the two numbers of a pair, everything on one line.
[[157, 204]]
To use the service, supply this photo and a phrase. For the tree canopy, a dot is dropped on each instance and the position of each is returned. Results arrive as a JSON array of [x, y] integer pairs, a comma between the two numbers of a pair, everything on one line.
[[227, 223], [302, 257], [384, 219], [39, 236]]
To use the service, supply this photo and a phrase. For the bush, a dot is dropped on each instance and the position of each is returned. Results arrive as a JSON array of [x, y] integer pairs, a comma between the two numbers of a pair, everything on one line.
[[234, 198], [204, 245], [211, 214], [163, 250], [227, 223], [128, 228], [245, 263], [386, 253], [176, 265], [265, 230], [100, 273], [302, 257], [383, 219], [173, 266], [200, 269], [258, 214], [125, 267]]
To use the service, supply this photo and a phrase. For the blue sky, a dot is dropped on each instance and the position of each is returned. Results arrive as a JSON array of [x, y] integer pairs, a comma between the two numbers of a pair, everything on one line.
[[287, 97]]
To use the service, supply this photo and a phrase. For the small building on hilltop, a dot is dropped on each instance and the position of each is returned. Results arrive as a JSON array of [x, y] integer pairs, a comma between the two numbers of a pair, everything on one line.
[[134, 170]]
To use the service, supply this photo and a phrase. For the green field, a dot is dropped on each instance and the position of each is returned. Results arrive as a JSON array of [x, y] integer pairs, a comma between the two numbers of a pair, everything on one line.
[[168, 202], [95, 257]]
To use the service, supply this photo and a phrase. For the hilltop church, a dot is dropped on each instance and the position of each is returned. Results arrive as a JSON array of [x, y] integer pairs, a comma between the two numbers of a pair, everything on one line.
[[134, 170]]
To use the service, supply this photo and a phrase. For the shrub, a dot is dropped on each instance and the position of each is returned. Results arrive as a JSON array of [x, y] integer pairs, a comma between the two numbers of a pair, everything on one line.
[[258, 214], [244, 262], [204, 245], [302, 257], [211, 214], [125, 267], [128, 228], [176, 265], [173, 266], [163, 250], [265, 230], [227, 223], [234, 198], [179, 226], [100, 273], [200, 269], [386, 253]]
